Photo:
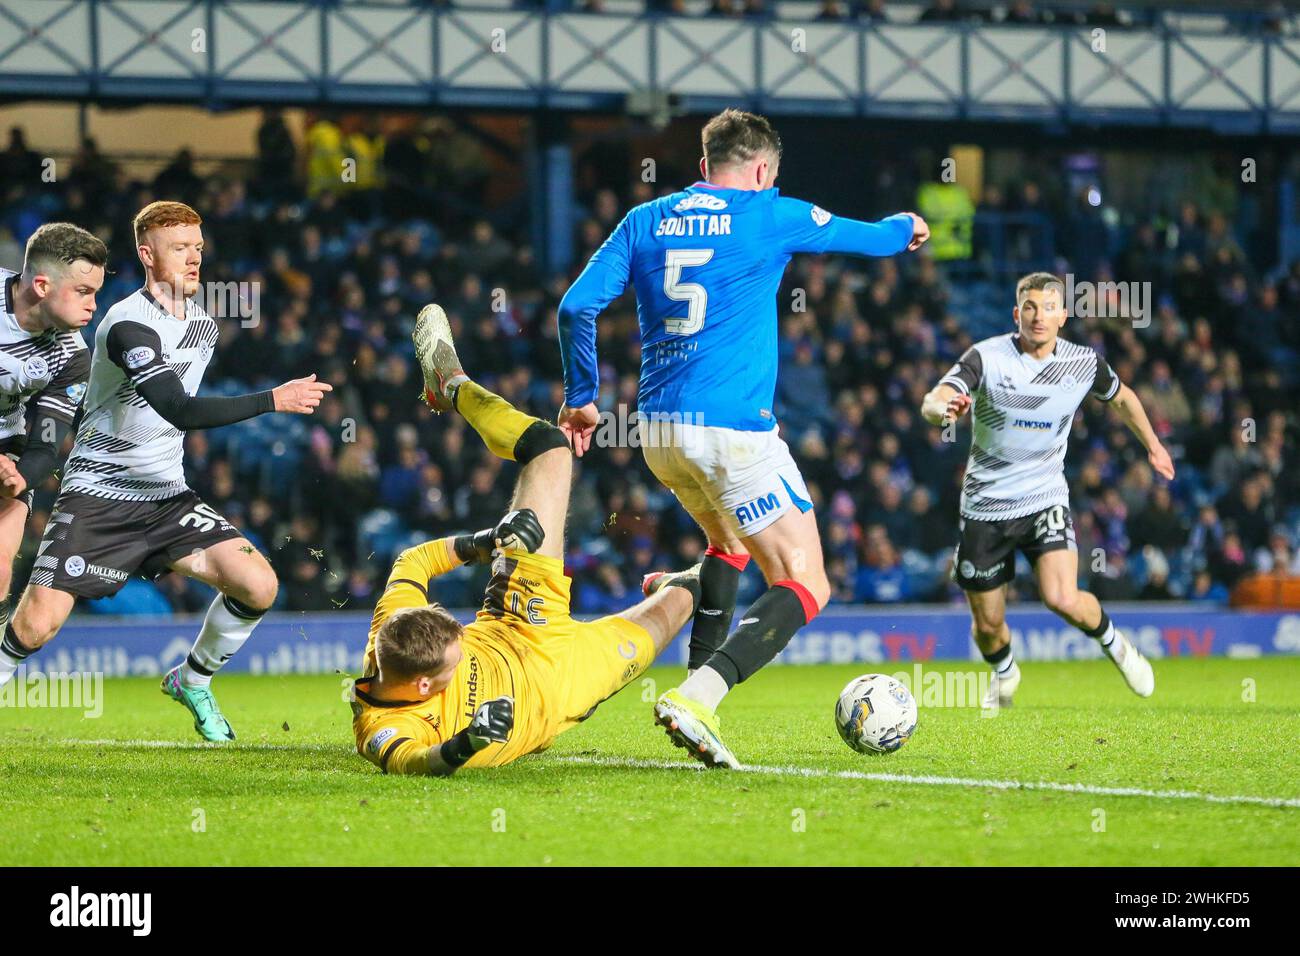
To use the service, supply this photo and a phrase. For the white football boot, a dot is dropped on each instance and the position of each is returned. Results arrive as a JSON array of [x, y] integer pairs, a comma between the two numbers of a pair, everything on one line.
[[437, 356], [652, 582], [1002, 689], [1139, 676]]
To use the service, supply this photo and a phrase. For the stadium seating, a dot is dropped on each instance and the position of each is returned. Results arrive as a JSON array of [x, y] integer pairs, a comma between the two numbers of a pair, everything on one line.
[[336, 491]]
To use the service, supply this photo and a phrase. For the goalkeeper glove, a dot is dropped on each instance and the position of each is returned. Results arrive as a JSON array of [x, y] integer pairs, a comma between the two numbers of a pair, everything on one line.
[[517, 530], [493, 721]]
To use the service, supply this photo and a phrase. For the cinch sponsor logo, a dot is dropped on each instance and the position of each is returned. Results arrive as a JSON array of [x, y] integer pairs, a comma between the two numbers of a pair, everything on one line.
[[378, 740], [138, 357], [103, 909], [700, 201], [753, 510], [1031, 424]]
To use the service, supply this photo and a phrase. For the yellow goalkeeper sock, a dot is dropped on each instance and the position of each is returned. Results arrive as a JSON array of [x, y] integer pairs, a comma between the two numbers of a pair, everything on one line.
[[498, 422]]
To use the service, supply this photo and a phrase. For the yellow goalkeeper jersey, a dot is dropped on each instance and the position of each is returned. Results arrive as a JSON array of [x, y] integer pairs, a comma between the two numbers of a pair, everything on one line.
[[523, 643], [397, 736]]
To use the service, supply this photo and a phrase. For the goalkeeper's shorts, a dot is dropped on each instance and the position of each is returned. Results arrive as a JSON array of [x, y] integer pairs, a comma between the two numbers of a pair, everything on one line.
[[747, 478], [568, 667]]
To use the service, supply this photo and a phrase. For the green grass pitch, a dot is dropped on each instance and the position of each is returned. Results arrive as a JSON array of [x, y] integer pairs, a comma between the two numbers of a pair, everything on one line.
[[613, 791]]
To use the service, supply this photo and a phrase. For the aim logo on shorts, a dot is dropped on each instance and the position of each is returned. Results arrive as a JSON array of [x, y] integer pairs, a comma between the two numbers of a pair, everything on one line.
[[756, 508]]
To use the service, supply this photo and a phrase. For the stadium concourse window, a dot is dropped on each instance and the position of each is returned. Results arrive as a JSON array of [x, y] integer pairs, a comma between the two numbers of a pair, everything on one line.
[[343, 267]]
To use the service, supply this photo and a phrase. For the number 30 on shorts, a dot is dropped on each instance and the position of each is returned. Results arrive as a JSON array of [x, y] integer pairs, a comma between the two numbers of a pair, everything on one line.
[[1051, 521], [202, 517]]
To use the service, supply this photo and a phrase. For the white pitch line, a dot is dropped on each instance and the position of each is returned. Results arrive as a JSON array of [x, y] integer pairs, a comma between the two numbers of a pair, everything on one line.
[[928, 780], [806, 772], [191, 744]]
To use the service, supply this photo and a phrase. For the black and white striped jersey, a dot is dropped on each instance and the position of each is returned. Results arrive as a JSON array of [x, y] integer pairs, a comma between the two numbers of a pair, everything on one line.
[[124, 449], [50, 365], [1023, 408]]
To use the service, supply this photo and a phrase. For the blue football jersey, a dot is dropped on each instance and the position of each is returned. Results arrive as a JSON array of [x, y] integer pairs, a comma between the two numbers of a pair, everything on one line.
[[706, 264]]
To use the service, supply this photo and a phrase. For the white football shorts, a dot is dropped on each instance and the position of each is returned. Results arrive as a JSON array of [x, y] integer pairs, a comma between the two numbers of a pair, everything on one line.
[[748, 478]]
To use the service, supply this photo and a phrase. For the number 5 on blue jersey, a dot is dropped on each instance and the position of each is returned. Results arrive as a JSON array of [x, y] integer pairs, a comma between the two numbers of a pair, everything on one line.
[[706, 264]]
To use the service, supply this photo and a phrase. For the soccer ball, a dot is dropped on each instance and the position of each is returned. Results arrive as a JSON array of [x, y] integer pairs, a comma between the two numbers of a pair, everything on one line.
[[875, 714]]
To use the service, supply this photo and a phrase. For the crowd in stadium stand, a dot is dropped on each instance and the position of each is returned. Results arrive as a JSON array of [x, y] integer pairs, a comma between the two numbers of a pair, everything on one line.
[[341, 268], [1266, 17]]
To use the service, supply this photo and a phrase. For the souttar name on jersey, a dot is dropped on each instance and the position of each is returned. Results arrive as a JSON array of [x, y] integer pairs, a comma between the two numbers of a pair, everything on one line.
[[701, 225]]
